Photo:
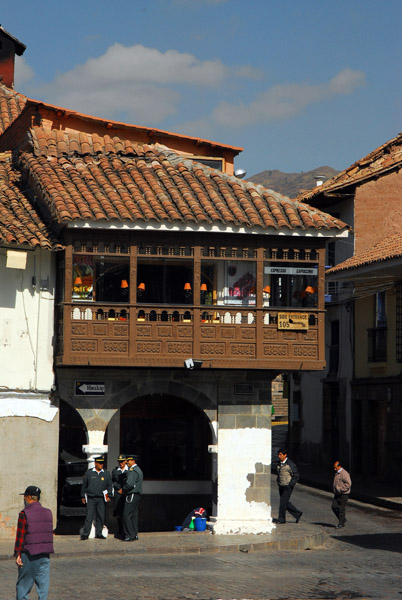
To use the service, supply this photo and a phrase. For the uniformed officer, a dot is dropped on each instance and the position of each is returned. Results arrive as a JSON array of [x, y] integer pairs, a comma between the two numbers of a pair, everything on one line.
[[119, 476], [132, 489], [96, 490]]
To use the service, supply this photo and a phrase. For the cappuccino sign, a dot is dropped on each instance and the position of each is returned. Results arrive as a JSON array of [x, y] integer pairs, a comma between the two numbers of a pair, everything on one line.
[[310, 271]]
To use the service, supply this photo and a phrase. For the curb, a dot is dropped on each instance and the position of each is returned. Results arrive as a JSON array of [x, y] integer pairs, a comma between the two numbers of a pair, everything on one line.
[[305, 542], [359, 496]]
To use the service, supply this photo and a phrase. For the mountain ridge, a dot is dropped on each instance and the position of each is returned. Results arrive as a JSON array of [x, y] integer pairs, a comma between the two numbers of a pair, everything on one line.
[[290, 184]]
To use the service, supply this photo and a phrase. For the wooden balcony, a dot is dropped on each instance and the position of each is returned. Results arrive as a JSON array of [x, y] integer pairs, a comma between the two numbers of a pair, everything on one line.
[[165, 336]]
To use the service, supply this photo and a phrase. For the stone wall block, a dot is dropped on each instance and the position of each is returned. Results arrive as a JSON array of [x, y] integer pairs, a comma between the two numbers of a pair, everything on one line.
[[264, 422], [258, 495], [245, 421], [262, 480], [227, 422]]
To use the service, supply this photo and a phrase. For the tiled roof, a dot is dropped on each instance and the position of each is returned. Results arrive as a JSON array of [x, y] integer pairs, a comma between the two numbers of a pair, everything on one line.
[[386, 157], [93, 178], [385, 250], [19, 222], [151, 133], [11, 105]]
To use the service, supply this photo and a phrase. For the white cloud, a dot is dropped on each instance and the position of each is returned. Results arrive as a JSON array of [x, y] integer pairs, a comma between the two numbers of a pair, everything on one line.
[[137, 80], [283, 101], [22, 72]]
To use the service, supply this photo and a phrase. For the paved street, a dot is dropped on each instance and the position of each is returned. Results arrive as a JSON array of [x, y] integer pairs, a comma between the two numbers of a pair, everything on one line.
[[363, 560]]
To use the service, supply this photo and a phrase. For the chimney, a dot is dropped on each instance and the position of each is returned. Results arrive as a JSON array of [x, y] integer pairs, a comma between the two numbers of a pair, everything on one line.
[[9, 47], [319, 180]]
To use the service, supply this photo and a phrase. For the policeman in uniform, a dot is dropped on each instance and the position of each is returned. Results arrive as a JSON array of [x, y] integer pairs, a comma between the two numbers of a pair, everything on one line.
[[131, 489], [96, 490], [119, 476]]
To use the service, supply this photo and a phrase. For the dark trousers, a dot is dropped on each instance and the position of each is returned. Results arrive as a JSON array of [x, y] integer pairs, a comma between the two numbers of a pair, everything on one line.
[[339, 507], [118, 509], [285, 491], [130, 515], [95, 509]]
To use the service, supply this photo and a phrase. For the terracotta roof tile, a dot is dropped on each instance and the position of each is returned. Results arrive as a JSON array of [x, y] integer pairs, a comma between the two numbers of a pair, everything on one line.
[[386, 157], [19, 221], [385, 250], [11, 105], [88, 177]]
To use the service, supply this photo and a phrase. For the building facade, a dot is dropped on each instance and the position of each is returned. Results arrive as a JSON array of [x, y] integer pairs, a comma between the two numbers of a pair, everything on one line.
[[180, 292], [351, 412]]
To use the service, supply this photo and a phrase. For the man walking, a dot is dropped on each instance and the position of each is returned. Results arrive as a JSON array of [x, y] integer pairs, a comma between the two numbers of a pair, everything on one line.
[[288, 475], [33, 545], [132, 490], [342, 486], [119, 476], [96, 490]]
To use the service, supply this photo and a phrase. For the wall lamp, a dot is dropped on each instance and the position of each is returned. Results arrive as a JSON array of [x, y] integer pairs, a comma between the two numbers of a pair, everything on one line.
[[193, 363]]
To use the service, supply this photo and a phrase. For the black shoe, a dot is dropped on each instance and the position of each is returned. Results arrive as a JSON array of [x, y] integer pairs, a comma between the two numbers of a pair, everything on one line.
[[100, 537], [83, 537], [340, 525], [127, 539], [299, 517], [278, 522]]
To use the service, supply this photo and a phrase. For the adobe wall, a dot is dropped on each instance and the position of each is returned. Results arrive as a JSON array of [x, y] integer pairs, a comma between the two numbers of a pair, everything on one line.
[[378, 210], [29, 457]]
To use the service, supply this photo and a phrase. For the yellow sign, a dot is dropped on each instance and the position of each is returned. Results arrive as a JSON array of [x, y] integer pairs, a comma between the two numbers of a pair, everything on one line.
[[292, 320]]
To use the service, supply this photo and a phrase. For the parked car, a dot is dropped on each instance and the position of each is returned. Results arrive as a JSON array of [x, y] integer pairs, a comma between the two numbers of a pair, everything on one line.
[[71, 473]]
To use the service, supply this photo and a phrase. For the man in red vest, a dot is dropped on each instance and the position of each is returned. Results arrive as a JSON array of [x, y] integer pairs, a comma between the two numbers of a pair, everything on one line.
[[33, 545]]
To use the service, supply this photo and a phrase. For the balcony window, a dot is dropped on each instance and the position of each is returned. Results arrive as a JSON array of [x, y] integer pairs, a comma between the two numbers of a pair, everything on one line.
[[165, 282], [96, 278], [228, 282], [291, 285]]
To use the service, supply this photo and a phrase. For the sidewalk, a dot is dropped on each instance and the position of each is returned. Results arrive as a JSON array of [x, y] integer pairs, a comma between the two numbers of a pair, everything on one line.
[[301, 536], [297, 537], [372, 492]]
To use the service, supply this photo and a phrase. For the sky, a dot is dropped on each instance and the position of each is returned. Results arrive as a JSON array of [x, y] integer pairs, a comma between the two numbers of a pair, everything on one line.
[[298, 84]]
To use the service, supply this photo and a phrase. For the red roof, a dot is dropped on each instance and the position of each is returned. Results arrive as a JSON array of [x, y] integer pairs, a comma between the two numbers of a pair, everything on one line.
[[20, 223], [11, 105], [383, 251], [385, 158], [93, 178]]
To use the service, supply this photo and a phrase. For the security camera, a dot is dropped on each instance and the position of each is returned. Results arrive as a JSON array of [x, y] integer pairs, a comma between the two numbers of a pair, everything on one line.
[[189, 363]]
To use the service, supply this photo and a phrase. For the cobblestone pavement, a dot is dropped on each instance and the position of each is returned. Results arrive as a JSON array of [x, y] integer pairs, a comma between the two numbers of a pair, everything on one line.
[[363, 560]]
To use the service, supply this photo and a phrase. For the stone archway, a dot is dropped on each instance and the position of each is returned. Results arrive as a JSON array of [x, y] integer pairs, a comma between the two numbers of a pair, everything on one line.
[[72, 462], [171, 437]]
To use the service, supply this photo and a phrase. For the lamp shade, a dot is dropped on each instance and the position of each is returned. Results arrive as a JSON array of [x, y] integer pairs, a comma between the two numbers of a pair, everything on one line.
[[309, 289], [78, 281], [141, 287], [187, 287], [267, 289], [203, 287], [124, 284]]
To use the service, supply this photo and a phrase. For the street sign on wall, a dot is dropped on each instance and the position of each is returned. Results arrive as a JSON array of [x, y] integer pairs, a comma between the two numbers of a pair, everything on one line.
[[89, 388]]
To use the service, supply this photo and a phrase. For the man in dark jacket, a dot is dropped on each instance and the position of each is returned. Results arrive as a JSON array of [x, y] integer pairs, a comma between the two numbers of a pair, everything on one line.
[[33, 545], [119, 476], [96, 490], [288, 475], [132, 490]]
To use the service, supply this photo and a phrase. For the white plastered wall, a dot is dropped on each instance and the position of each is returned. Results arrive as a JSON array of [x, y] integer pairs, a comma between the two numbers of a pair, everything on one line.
[[27, 322], [242, 454]]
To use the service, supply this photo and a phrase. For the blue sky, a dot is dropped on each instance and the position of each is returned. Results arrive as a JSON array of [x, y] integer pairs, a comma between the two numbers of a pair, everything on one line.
[[297, 83]]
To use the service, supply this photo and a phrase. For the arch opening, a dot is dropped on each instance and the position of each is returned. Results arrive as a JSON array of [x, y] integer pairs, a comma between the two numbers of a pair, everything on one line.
[[171, 437]]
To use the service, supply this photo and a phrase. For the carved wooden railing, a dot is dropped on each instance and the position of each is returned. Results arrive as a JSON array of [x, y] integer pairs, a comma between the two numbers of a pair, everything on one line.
[[160, 335]]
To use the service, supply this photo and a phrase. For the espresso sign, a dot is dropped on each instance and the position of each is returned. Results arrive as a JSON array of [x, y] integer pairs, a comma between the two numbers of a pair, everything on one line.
[[292, 320]]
